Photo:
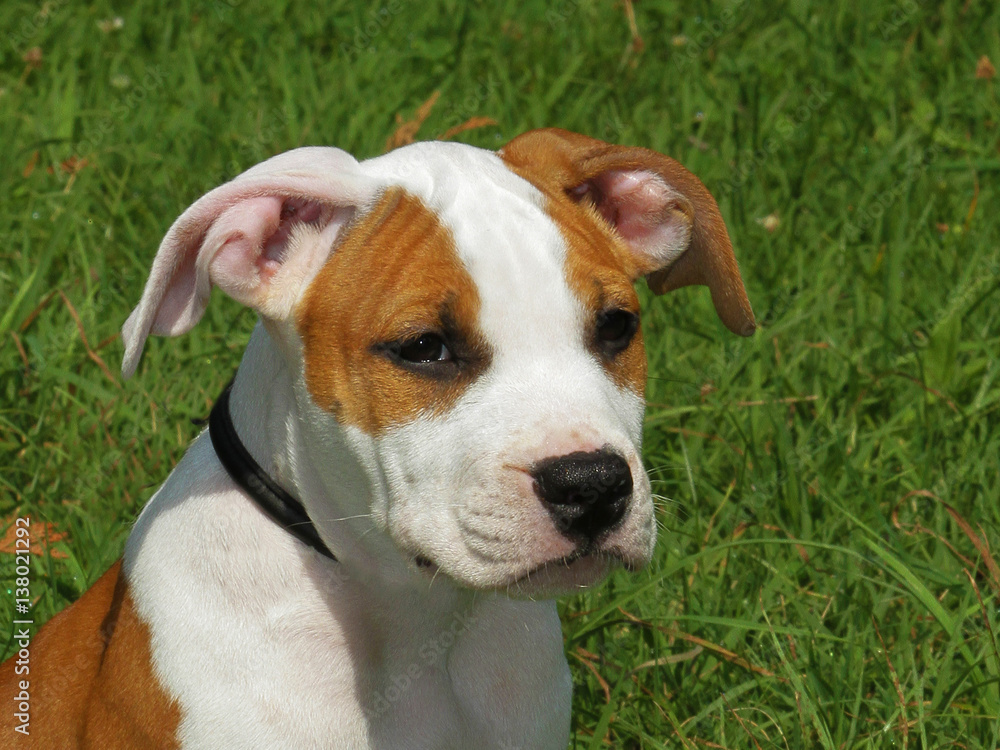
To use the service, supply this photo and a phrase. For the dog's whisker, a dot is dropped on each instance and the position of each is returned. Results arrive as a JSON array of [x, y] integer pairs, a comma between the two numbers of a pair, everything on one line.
[[338, 519]]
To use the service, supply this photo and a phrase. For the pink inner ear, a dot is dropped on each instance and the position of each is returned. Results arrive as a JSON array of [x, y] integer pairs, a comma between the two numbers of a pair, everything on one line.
[[653, 218], [236, 243], [293, 211], [252, 241]]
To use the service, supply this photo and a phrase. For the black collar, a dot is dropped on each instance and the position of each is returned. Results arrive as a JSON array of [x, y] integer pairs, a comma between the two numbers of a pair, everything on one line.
[[284, 509]]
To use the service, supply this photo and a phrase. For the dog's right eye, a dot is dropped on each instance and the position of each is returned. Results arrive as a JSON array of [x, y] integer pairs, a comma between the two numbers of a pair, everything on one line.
[[426, 354], [424, 349], [615, 329]]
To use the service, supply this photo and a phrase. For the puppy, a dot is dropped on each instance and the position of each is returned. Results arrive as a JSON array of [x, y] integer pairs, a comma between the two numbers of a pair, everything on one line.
[[434, 430]]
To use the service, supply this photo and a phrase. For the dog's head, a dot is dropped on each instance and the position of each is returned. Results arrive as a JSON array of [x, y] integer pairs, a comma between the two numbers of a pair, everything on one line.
[[468, 319]]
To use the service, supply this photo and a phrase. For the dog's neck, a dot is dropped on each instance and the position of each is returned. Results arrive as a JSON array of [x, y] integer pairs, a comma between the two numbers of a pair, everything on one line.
[[262, 404], [271, 414]]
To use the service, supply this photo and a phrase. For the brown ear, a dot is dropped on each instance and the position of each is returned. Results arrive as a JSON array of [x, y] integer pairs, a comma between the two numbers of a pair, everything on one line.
[[665, 215]]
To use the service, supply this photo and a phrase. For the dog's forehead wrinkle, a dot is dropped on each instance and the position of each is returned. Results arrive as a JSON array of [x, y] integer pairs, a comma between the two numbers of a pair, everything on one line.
[[458, 181], [441, 173]]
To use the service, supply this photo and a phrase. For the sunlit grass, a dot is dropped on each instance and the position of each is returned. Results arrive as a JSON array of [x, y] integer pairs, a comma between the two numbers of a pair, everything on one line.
[[830, 501]]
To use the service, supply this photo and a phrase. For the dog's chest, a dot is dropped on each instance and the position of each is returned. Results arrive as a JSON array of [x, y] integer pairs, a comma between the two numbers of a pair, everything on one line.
[[494, 677], [272, 651]]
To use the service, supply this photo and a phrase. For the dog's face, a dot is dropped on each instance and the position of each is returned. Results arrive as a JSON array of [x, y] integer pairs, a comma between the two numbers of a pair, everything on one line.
[[475, 334], [483, 332]]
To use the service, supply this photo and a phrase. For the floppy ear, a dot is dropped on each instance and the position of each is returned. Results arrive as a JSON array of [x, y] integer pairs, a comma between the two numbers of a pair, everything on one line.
[[665, 215], [259, 238]]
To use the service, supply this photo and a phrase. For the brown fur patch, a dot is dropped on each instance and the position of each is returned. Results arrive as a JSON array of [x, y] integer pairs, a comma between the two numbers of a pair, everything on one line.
[[599, 269], [91, 678], [395, 275]]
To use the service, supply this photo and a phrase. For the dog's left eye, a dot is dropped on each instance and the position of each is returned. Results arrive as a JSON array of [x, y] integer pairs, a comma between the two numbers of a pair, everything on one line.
[[615, 329], [424, 349]]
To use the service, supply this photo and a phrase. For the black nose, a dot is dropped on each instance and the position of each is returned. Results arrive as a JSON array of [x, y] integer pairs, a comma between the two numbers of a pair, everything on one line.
[[586, 493]]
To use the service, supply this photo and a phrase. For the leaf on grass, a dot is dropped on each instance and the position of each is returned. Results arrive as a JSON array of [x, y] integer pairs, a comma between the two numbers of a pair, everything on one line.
[[30, 166], [33, 57], [42, 537], [942, 352], [985, 69], [74, 164], [670, 659]]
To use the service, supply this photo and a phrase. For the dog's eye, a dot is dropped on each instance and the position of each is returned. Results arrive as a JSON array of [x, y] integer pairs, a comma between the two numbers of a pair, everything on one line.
[[428, 354], [425, 349], [615, 329]]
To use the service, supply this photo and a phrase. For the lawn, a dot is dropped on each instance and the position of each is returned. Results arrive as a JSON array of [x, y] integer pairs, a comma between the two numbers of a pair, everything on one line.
[[828, 569]]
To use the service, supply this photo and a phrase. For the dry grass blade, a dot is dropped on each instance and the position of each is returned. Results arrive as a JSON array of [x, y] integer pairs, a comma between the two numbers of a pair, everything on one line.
[[785, 400], [716, 649], [20, 350], [671, 659], [978, 540], [636, 43], [86, 344], [986, 619], [471, 124], [406, 130], [580, 654], [739, 720], [905, 724]]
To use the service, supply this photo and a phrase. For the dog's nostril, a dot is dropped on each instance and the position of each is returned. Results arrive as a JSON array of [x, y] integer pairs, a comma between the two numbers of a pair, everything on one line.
[[586, 493]]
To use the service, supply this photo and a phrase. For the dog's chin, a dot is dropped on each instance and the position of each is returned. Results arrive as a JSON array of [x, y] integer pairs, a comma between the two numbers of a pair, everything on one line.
[[560, 577], [557, 577]]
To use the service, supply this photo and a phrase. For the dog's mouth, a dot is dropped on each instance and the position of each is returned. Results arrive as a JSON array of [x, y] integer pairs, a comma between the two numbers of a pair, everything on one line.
[[582, 568], [424, 563]]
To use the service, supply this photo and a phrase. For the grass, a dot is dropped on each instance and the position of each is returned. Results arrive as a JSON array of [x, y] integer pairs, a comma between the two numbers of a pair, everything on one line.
[[827, 572]]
